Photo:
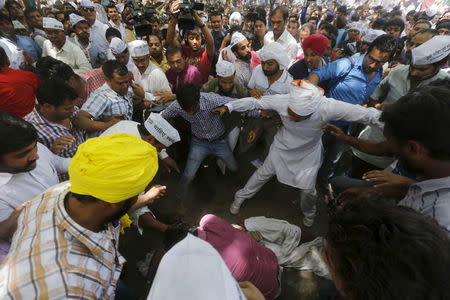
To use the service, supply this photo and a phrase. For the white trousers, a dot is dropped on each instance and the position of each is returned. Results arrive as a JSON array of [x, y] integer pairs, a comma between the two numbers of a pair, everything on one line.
[[308, 197]]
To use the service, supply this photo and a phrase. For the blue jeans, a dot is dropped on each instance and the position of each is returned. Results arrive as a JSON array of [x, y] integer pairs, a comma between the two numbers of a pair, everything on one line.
[[198, 151]]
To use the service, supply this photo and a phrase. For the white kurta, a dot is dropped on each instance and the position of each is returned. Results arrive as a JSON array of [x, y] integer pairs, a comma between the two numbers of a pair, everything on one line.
[[70, 54], [296, 151], [153, 80], [259, 81], [286, 40]]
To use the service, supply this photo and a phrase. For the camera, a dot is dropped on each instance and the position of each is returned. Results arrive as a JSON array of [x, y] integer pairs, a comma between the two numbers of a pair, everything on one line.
[[141, 16], [186, 20]]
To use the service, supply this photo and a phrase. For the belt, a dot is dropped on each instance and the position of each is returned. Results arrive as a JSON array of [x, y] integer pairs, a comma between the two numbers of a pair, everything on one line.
[[211, 140]]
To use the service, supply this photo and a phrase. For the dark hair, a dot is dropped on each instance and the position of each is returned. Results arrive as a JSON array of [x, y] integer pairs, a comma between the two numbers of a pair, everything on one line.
[[332, 39], [384, 43], [379, 23], [396, 13], [313, 18], [153, 19], [262, 19], [54, 92], [30, 10], [113, 31], [396, 22], [215, 13], [113, 66], [174, 234], [295, 22], [15, 133], [411, 13], [5, 18], [341, 22], [281, 9], [330, 28], [9, 3], [157, 35], [171, 50], [49, 67], [423, 22], [381, 251], [188, 96], [354, 17], [422, 115], [443, 24], [432, 32], [4, 60], [111, 6], [342, 10], [311, 28]]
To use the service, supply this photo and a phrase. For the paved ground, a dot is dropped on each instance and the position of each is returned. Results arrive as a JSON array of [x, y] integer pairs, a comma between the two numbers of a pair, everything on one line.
[[213, 193]]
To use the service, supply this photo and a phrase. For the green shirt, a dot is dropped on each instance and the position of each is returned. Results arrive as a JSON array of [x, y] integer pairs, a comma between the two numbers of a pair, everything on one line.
[[212, 86]]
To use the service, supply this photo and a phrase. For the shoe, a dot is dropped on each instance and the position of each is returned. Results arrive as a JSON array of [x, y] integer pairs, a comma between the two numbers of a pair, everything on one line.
[[308, 222], [234, 208]]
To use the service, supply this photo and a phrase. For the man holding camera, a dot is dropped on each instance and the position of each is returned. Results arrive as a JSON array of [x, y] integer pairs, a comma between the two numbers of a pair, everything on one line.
[[195, 54]]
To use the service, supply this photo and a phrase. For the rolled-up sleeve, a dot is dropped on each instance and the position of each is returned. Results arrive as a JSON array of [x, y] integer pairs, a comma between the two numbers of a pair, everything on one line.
[[334, 70]]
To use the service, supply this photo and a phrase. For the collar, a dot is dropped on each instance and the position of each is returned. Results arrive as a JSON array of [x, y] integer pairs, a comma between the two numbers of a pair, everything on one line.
[[284, 37], [65, 47], [150, 68], [5, 178], [94, 241], [432, 185]]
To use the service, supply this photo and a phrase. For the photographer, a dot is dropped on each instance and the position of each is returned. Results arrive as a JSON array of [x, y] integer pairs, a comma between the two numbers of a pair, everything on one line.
[[195, 54]]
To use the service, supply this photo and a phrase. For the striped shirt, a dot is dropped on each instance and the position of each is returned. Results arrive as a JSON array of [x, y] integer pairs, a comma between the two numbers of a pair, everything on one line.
[[431, 198], [205, 124], [48, 132], [52, 257]]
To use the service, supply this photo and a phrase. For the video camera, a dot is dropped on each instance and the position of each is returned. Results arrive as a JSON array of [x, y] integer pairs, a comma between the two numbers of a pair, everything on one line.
[[141, 16], [186, 20]]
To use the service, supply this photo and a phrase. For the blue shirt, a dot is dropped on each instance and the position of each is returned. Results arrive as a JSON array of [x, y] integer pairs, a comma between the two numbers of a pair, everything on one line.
[[349, 82], [28, 44]]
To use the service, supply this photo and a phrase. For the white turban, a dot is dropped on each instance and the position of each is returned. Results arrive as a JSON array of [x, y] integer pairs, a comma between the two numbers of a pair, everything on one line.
[[236, 16], [52, 23], [161, 130], [433, 50], [304, 97], [117, 46], [275, 51], [87, 3], [75, 19], [120, 7], [225, 68], [193, 269], [236, 38], [138, 48], [74, 5], [372, 34]]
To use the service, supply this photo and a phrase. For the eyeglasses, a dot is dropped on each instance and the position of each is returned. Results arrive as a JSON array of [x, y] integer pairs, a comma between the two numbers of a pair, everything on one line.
[[91, 9]]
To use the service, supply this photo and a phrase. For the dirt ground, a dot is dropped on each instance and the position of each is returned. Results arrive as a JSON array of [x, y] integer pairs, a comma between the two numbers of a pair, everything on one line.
[[212, 192]]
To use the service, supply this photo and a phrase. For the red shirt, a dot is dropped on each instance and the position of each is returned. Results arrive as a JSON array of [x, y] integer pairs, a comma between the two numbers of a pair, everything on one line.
[[201, 60], [17, 91]]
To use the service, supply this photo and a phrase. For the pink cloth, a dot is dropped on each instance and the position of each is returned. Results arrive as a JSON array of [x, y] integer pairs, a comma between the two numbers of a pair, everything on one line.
[[246, 258], [190, 75], [255, 61]]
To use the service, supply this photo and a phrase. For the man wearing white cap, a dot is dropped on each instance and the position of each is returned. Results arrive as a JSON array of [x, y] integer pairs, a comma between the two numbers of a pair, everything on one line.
[[82, 31], [160, 134], [119, 51], [98, 29], [296, 152], [225, 83], [239, 53], [146, 74], [427, 61], [271, 77], [235, 19], [58, 47], [279, 33]]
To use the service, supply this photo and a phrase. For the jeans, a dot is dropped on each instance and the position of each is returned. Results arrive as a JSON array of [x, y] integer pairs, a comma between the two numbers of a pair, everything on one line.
[[198, 151]]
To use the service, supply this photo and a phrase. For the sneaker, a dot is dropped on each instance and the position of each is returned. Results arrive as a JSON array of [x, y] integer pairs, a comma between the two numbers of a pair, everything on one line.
[[308, 222], [234, 208]]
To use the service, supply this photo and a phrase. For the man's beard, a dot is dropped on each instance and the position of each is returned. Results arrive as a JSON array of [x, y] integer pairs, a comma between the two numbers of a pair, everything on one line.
[[245, 58], [270, 73], [31, 165], [123, 211], [222, 92]]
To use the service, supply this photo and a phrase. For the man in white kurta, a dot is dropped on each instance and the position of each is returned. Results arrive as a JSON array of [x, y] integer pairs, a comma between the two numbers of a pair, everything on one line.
[[151, 78], [296, 152]]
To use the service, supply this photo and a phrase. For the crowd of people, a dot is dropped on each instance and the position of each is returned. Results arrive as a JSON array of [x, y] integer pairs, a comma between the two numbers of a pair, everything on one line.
[[348, 104]]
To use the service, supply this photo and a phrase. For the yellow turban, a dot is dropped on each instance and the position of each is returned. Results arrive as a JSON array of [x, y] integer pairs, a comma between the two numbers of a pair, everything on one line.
[[113, 168]]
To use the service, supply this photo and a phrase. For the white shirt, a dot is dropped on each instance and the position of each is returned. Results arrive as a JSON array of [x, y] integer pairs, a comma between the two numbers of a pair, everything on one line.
[[14, 54], [286, 40], [121, 29], [243, 71], [70, 54], [296, 150], [260, 81], [153, 80], [431, 198], [97, 36], [15, 189]]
